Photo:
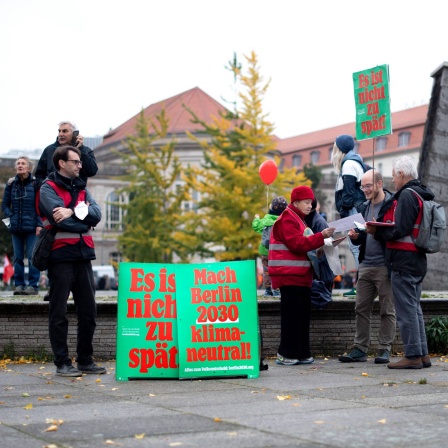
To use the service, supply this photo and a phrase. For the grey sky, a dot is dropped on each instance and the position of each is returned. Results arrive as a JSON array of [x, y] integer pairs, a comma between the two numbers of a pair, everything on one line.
[[98, 62]]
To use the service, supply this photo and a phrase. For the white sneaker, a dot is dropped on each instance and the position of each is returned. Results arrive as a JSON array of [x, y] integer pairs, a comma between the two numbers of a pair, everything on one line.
[[281, 360], [307, 360]]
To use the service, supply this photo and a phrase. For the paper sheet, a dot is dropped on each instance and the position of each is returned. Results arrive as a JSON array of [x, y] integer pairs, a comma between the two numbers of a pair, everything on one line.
[[345, 224]]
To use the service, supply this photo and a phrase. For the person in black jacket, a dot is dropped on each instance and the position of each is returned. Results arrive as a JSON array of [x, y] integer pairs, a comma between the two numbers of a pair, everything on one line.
[[373, 276], [18, 205], [45, 165], [348, 197], [66, 203], [407, 263], [65, 136]]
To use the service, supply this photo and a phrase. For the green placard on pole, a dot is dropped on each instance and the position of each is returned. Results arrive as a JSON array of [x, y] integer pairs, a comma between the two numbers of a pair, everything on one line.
[[147, 322], [218, 320], [372, 101]]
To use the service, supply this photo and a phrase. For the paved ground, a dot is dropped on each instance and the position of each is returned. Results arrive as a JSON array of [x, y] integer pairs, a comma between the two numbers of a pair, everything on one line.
[[325, 404]]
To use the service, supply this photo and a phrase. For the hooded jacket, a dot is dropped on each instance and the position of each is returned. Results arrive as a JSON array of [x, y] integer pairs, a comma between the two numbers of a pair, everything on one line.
[[45, 165], [348, 193], [258, 224], [406, 213], [18, 204]]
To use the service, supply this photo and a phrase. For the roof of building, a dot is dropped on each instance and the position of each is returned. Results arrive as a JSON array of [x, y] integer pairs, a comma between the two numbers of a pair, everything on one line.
[[180, 120], [400, 120]]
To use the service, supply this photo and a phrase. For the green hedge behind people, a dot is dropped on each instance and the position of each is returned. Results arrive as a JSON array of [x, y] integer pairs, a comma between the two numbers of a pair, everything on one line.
[[264, 226], [19, 205]]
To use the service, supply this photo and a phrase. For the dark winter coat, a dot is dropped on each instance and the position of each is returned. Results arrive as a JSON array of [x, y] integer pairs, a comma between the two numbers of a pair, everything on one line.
[[45, 165], [406, 213], [18, 204]]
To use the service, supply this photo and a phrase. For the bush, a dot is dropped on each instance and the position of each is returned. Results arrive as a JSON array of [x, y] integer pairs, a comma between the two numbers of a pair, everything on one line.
[[437, 335]]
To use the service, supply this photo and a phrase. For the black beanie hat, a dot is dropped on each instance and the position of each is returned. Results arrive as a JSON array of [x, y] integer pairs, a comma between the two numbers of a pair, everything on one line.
[[278, 205]]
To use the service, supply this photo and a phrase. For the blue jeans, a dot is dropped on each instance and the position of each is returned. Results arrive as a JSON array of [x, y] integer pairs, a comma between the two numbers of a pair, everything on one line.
[[407, 289], [19, 241]]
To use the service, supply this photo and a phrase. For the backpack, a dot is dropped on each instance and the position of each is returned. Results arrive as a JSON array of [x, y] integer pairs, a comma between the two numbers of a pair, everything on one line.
[[432, 230], [265, 236]]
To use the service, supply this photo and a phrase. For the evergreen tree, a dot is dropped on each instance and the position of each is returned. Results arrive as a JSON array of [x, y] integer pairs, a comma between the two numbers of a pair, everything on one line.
[[153, 213], [230, 189]]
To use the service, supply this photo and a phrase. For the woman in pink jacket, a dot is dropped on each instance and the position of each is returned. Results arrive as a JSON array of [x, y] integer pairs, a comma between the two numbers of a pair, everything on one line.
[[291, 271]]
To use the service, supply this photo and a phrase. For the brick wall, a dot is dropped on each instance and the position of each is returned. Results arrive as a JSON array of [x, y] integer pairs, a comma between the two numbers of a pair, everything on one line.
[[24, 326]]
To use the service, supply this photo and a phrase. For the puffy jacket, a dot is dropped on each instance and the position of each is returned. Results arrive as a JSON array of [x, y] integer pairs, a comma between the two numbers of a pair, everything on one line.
[[45, 165], [18, 204], [288, 263], [73, 240], [258, 224], [348, 193], [405, 217]]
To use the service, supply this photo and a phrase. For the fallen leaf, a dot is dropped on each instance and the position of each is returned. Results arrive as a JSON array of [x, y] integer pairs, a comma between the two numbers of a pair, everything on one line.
[[283, 397], [109, 442], [383, 421], [296, 404], [217, 419], [319, 422], [52, 445], [139, 436], [52, 428], [364, 374], [40, 368], [25, 395], [28, 406], [232, 433], [2, 402], [175, 444], [114, 388], [54, 421], [152, 395], [67, 396], [98, 380]]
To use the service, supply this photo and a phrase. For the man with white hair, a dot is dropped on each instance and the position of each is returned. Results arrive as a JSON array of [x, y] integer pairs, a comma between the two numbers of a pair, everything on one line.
[[407, 263], [65, 137]]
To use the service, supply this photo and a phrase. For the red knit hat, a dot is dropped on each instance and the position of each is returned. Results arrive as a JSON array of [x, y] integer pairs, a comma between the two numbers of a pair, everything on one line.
[[301, 193]]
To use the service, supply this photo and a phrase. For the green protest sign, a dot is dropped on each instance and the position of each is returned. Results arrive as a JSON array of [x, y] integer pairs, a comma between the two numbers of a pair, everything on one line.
[[373, 117], [185, 321], [218, 320], [147, 322]]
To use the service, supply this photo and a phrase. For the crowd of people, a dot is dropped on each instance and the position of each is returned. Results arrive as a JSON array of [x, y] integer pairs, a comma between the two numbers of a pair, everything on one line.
[[388, 264]]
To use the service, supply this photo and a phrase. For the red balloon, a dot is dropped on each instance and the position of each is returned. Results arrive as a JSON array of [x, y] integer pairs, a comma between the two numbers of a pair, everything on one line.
[[268, 171]]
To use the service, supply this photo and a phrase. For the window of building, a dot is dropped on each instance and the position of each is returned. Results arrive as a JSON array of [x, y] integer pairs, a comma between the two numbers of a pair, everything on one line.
[[356, 148], [381, 143], [296, 161], [315, 157], [330, 152], [114, 213], [403, 138]]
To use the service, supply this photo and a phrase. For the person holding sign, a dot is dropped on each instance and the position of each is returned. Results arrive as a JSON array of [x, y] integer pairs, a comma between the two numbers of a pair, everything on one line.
[[348, 196], [291, 271], [373, 276], [407, 263]]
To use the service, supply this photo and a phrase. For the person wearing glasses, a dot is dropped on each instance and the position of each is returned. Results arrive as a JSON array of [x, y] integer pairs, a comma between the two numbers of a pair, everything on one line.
[[18, 205], [65, 202], [373, 276], [65, 136], [66, 131]]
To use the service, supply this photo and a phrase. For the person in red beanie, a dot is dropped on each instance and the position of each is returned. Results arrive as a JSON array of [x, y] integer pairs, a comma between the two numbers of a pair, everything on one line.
[[291, 272]]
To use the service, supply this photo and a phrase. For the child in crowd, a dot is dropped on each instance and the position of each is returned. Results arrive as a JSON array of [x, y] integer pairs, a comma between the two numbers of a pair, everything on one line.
[[264, 226]]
